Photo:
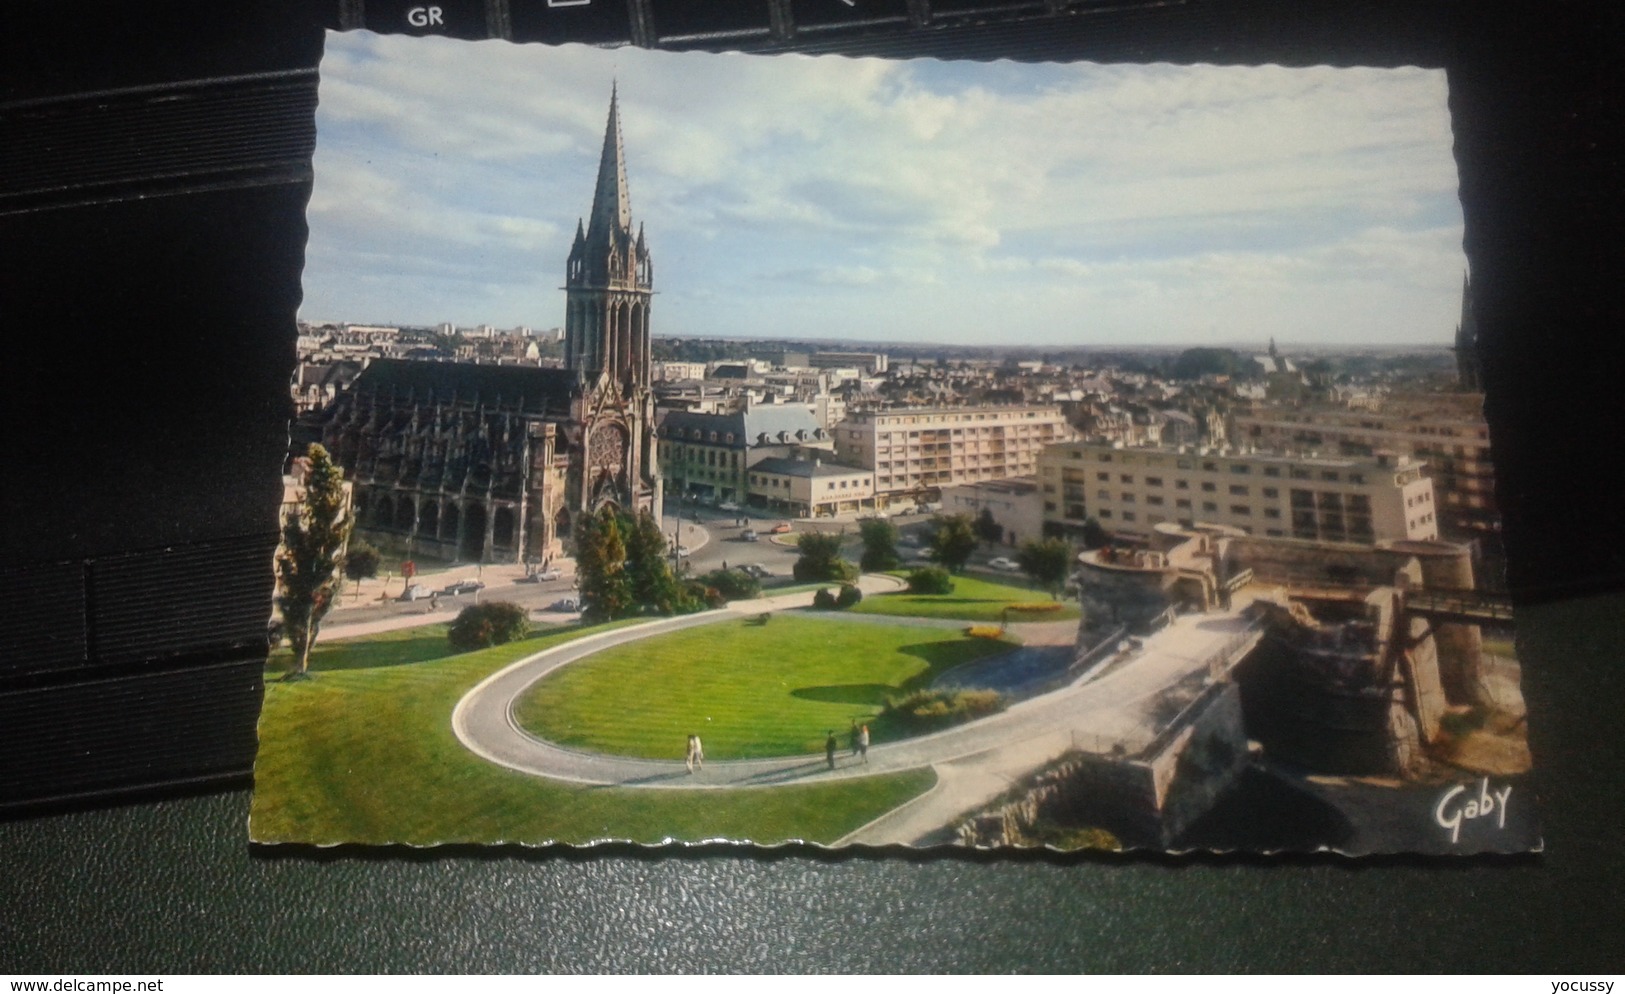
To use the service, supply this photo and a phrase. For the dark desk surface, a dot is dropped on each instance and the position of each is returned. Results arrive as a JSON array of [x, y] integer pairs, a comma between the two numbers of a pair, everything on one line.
[[174, 886]]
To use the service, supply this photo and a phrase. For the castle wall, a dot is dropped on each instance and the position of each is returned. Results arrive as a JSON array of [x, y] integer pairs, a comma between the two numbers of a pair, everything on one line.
[[1149, 799], [1112, 596]]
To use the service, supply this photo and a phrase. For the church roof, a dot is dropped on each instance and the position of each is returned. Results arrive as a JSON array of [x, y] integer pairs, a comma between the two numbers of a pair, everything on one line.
[[529, 389], [611, 214]]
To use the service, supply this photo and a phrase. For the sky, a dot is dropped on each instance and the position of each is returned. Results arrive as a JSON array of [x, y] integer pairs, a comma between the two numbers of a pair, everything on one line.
[[788, 196]]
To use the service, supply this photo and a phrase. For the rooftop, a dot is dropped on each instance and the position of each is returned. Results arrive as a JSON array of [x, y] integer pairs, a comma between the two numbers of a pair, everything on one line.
[[531, 389], [1250, 455], [808, 468]]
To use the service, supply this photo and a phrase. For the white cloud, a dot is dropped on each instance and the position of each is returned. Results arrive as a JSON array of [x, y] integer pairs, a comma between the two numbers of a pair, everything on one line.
[[957, 195]]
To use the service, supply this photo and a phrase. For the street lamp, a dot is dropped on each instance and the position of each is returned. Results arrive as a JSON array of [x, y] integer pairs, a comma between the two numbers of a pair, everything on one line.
[[677, 529]]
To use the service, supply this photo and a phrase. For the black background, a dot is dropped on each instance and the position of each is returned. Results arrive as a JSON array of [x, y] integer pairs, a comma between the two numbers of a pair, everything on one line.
[[149, 335]]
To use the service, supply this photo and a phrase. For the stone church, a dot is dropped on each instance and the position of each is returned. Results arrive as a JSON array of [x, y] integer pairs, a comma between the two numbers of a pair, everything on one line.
[[487, 463]]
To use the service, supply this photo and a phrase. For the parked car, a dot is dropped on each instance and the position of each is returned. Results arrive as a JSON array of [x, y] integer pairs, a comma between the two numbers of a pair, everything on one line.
[[462, 587], [782, 528], [683, 550], [728, 506], [565, 604], [1009, 565], [757, 570], [749, 535], [415, 592], [540, 576]]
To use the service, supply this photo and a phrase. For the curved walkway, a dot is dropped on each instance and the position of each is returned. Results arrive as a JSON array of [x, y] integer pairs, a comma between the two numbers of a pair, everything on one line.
[[1094, 716]]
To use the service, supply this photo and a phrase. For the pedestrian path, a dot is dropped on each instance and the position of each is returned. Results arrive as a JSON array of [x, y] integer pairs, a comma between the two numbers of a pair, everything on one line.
[[974, 762]]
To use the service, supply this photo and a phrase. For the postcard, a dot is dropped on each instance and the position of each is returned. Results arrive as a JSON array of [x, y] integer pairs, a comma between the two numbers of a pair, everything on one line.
[[839, 451]]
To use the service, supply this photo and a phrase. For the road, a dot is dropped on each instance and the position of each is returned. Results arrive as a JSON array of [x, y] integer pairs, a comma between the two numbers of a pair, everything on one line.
[[713, 537], [974, 762]]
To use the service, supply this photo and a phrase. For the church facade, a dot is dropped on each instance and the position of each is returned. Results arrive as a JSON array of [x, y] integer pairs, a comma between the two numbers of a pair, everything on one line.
[[489, 463]]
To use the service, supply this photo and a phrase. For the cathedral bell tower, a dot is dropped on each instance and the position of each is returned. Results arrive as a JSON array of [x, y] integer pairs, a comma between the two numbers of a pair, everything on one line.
[[608, 283], [609, 280]]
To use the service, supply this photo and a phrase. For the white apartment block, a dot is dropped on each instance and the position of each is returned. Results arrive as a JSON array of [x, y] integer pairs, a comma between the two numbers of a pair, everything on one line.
[[872, 363], [1131, 490], [674, 370], [1015, 505], [912, 449], [1447, 432]]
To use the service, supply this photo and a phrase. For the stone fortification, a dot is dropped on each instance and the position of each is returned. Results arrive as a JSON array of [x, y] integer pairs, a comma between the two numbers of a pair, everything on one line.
[[1145, 799]]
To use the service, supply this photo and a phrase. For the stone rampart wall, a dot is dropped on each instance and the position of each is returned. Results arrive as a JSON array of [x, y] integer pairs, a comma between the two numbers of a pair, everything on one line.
[[1149, 799]]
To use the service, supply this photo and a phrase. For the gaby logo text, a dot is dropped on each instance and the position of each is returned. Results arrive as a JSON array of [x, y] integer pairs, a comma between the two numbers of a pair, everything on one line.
[[1452, 810]]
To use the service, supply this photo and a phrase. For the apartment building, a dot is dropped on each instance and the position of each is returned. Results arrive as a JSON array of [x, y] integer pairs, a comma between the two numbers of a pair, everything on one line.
[[1333, 499], [870, 363], [1015, 505], [809, 488], [706, 456], [674, 370], [1445, 431], [915, 449]]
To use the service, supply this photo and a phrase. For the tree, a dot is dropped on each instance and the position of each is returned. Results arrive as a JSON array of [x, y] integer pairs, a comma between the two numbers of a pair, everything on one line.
[[648, 572], [1193, 364], [1094, 536], [307, 564], [361, 562], [606, 590], [820, 560], [987, 529], [954, 541], [930, 580], [1048, 563], [879, 545], [480, 626], [732, 584]]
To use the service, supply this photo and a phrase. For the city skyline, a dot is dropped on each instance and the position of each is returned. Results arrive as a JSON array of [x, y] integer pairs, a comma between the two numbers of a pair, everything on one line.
[[910, 203]]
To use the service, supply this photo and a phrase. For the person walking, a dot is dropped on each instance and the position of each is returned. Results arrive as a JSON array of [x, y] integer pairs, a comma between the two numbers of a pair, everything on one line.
[[696, 754], [863, 743], [853, 737], [829, 749]]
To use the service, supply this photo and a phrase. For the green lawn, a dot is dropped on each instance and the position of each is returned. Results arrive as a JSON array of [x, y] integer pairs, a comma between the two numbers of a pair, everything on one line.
[[365, 753], [747, 690], [973, 599], [800, 588]]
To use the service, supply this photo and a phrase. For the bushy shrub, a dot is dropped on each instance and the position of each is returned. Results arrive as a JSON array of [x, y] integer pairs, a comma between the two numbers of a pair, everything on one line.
[[823, 600], [698, 595], [820, 560], [879, 545], [733, 584], [930, 580], [480, 626], [849, 595], [927, 710]]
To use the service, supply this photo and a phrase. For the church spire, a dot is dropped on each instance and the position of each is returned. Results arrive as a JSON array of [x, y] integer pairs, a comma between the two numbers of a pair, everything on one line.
[[611, 207], [608, 276]]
